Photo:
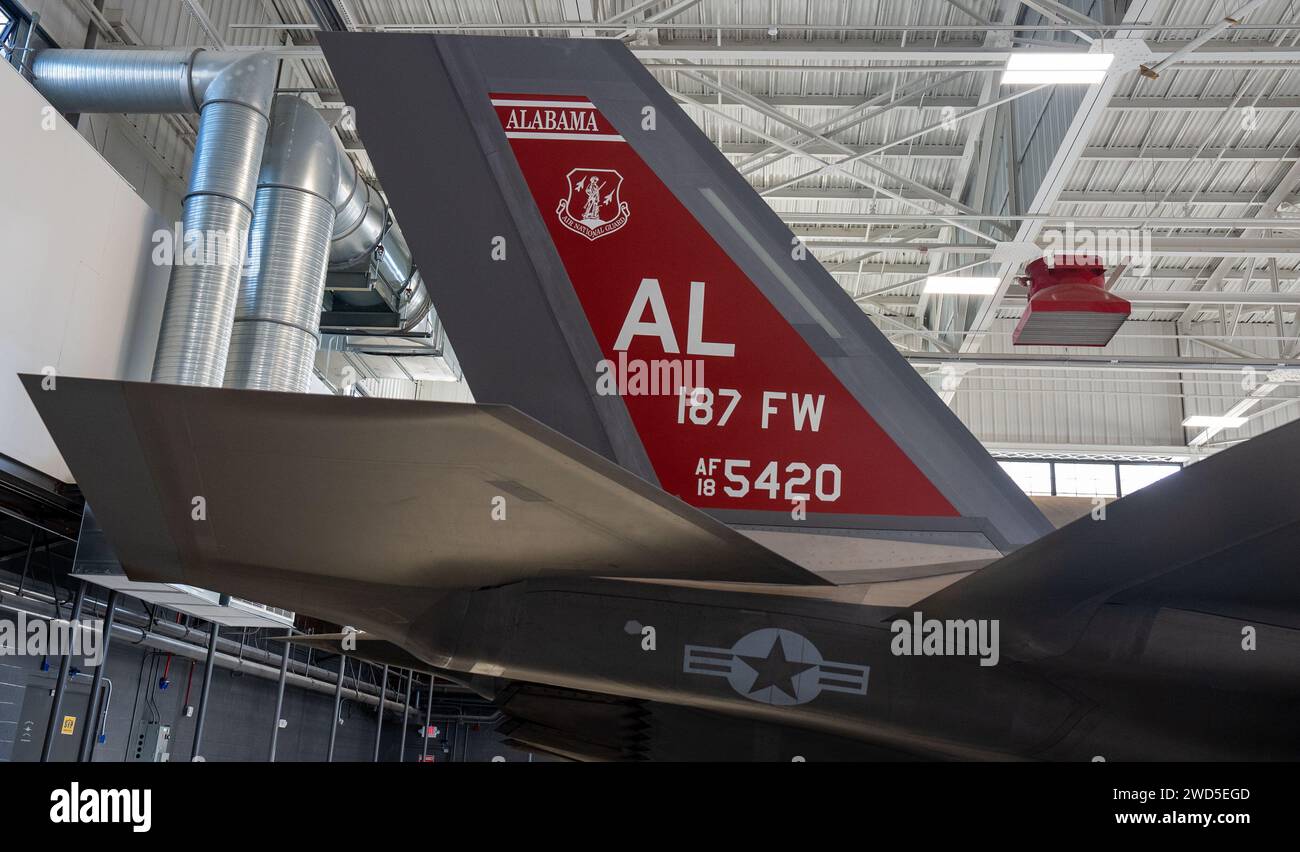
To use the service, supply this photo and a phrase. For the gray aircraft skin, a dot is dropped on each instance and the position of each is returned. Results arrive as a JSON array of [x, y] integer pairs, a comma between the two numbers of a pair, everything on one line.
[[538, 546], [1114, 696], [1170, 630]]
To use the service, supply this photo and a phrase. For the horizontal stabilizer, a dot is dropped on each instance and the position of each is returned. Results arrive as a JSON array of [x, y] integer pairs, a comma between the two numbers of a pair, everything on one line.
[[1219, 537], [275, 491]]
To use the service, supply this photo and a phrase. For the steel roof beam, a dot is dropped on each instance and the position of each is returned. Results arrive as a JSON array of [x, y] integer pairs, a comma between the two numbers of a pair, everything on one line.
[[831, 193], [1272, 155], [1129, 52], [874, 107], [837, 167], [1160, 246], [824, 166], [1275, 198], [1147, 104], [838, 101], [1149, 199], [1193, 275], [1183, 222], [1140, 363], [1254, 50], [828, 152], [863, 157], [1088, 196]]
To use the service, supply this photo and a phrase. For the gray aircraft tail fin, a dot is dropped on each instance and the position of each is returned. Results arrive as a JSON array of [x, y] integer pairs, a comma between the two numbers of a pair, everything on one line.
[[601, 266]]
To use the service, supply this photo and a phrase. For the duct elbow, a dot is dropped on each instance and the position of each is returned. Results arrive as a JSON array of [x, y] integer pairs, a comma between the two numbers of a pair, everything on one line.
[[300, 151], [364, 234], [153, 81], [361, 215], [417, 304], [247, 79]]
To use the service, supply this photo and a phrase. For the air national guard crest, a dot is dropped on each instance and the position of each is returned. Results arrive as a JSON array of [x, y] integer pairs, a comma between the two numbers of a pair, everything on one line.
[[593, 207]]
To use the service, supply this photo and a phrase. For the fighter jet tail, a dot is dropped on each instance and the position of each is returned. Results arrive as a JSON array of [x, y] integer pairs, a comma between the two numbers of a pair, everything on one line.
[[602, 267]]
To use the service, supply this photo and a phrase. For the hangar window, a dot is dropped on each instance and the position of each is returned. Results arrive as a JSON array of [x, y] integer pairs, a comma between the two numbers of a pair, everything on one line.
[[5, 34], [1085, 479], [1033, 477], [14, 26], [1136, 476]]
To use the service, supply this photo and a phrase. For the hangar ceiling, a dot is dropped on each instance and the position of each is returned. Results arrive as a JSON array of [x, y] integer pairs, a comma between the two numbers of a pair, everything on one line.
[[880, 131]]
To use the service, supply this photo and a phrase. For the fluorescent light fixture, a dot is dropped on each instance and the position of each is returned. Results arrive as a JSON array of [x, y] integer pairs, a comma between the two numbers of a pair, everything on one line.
[[1205, 421], [971, 285], [1034, 69]]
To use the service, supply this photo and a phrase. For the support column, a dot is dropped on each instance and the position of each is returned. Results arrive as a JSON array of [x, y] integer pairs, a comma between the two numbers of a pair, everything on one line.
[[89, 735], [338, 703], [279, 697], [61, 685], [406, 709], [379, 722], [428, 719], [209, 666]]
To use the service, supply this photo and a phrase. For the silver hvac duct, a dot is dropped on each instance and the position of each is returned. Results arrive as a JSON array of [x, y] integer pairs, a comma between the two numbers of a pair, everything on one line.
[[232, 95], [277, 322], [313, 212], [309, 207], [364, 232]]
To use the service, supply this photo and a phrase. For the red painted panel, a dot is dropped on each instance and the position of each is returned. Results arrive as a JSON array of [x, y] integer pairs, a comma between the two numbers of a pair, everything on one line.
[[775, 428]]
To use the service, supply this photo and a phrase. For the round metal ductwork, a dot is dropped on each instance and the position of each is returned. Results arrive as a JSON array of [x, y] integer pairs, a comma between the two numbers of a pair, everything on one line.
[[232, 94], [277, 323]]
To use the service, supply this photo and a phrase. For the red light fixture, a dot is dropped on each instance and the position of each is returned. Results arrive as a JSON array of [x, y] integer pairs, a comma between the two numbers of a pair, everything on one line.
[[1068, 305]]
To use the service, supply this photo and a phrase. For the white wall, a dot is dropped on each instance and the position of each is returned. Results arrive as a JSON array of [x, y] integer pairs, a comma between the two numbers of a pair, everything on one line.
[[1214, 394], [1118, 408], [1075, 406], [78, 291]]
